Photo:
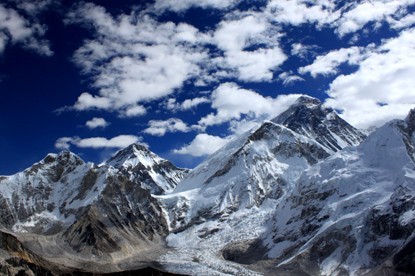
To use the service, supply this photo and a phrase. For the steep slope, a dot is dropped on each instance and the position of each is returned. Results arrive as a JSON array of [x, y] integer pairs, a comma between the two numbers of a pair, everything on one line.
[[104, 211], [261, 164], [48, 196], [353, 212], [308, 117], [142, 166]]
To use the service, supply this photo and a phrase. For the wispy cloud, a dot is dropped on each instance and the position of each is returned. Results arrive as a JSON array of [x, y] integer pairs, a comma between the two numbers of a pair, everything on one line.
[[97, 123], [173, 105], [160, 128], [327, 64], [203, 144], [15, 28], [183, 5], [381, 88], [134, 58], [232, 102], [120, 141]]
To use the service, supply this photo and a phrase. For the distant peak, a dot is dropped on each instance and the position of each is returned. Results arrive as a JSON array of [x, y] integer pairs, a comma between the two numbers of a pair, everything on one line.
[[307, 101], [133, 151], [410, 120], [135, 147]]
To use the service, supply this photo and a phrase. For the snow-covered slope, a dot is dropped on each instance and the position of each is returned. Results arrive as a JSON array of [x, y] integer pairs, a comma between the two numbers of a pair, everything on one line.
[[95, 208], [352, 212], [308, 117], [298, 195], [153, 173], [260, 164], [50, 194]]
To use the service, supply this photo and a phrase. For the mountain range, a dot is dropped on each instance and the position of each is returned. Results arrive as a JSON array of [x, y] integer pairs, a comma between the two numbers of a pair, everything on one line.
[[305, 193]]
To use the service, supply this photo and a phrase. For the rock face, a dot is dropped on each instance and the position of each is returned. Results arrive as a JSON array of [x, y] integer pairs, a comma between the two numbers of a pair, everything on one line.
[[303, 194], [307, 117], [96, 209], [261, 164], [353, 212], [142, 166]]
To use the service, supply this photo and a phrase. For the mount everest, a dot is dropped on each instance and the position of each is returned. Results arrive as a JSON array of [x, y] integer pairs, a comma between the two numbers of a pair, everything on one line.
[[303, 194]]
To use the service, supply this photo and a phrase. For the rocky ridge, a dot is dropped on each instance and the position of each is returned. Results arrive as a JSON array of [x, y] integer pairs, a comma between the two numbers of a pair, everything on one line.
[[303, 194]]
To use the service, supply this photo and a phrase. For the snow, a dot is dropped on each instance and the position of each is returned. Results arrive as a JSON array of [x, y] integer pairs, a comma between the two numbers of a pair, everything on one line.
[[407, 217], [260, 186]]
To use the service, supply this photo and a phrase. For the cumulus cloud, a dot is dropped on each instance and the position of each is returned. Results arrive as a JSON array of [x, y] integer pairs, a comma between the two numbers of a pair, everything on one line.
[[297, 12], [382, 87], [203, 144], [183, 5], [303, 51], [160, 128], [232, 102], [289, 78], [327, 64], [187, 104], [133, 58], [15, 28], [97, 123], [369, 11], [120, 141], [403, 22], [250, 46]]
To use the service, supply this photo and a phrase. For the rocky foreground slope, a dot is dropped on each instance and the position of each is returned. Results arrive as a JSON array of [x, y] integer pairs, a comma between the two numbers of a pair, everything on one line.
[[303, 194]]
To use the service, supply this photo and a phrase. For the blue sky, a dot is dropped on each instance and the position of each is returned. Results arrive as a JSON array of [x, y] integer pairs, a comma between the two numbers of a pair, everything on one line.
[[185, 77]]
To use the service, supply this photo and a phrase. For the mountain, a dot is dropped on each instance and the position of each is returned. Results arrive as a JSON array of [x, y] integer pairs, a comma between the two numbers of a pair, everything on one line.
[[352, 213], [303, 194], [157, 175], [307, 117], [90, 210], [261, 164]]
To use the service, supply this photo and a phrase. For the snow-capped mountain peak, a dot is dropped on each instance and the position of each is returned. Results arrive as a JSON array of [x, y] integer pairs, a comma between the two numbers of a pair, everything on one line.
[[153, 173], [133, 155], [308, 117]]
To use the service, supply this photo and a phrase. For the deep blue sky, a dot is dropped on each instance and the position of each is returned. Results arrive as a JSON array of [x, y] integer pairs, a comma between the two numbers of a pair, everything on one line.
[[153, 71]]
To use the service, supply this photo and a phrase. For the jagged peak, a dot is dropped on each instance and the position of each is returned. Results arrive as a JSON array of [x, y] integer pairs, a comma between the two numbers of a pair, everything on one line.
[[137, 152], [410, 120], [67, 156], [132, 150], [304, 109], [307, 101]]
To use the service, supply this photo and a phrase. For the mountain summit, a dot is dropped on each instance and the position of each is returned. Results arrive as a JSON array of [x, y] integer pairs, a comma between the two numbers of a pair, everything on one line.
[[155, 174], [303, 194], [308, 117]]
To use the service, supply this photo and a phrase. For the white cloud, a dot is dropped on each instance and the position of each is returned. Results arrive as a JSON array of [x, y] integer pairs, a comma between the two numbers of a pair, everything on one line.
[[134, 111], [17, 29], [288, 78], [369, 11], [34, 8], [120, 141], [382, 88], [203, 144], [401, 23], [250, 47], [159, 128], [297, 12], [134, 58], [87, 101], [327, 64], [232, 101], [187, 104], [183, 5], [96, 123], [303, 51]]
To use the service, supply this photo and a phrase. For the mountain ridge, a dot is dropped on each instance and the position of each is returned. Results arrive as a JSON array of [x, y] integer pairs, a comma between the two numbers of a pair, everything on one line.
[[303, 193]]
